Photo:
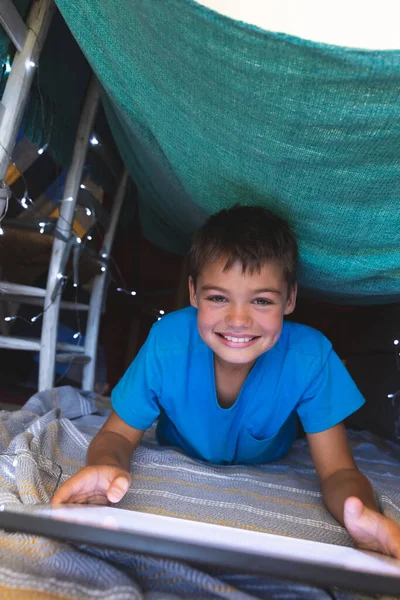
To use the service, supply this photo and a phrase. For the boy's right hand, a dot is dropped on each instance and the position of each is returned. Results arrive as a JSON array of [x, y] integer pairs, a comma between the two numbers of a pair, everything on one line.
[[94, 485]]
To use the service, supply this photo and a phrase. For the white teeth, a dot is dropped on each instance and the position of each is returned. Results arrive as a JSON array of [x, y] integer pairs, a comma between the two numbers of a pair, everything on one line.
[[237, 340]]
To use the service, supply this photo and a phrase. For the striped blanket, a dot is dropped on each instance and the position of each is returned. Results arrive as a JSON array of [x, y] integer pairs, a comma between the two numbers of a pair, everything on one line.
[[45, 442]]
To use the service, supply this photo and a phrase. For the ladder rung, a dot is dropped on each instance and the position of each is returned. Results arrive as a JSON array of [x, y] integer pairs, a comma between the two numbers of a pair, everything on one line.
[[33, 344], [16, 343], [64, 305], [63, 347], [69, 357], [7, 288], [13, 24]]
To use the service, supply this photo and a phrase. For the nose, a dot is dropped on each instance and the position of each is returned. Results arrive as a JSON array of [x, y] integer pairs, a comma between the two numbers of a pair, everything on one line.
[[238, 317]]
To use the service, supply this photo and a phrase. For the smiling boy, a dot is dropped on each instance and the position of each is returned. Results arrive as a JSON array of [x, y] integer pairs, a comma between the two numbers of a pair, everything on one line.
[[227, 377]]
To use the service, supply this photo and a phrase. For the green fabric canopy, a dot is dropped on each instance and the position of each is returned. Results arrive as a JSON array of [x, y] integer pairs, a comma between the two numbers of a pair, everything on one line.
[[208, 112]]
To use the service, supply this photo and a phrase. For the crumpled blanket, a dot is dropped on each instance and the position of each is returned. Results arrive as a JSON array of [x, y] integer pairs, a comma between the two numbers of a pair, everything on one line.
[[46, 441]]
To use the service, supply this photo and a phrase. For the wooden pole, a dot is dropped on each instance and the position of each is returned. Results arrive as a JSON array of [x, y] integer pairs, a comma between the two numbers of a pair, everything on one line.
[[20, 79], [13, 24], [64, 226], [98, 290]]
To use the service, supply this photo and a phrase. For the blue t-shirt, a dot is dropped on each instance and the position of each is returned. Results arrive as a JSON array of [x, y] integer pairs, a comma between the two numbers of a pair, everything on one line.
[[172, 379]]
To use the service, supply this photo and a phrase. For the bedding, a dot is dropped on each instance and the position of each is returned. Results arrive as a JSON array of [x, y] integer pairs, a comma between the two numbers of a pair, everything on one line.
[[45, 442]]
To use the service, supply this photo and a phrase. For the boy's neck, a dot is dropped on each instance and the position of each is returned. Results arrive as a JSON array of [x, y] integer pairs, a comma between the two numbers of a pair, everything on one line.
[[229, 379], [233, 368]]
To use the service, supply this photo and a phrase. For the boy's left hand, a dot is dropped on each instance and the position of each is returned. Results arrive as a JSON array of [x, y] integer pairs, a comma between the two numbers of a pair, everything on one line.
[[371, 530]]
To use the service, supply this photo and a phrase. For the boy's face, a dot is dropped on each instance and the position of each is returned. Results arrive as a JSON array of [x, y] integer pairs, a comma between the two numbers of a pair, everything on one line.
[[240, 315]]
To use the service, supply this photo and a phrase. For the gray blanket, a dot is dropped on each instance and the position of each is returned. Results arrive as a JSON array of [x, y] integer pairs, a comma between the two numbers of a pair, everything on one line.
[[46, 441]]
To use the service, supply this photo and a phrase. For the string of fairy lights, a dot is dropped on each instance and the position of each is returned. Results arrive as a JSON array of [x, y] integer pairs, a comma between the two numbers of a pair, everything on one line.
[[74, 240], [26, 203]]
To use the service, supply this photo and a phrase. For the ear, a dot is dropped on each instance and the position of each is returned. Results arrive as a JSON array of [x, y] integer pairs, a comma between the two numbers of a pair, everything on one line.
[[291, 301], [192, 292]]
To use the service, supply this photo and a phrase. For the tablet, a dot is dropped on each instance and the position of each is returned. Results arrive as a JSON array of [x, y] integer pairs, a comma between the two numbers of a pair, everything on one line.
[[319, 564]]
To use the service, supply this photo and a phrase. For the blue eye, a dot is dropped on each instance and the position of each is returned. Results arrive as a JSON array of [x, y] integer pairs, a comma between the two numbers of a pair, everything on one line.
[[217, 299], [262, 302]]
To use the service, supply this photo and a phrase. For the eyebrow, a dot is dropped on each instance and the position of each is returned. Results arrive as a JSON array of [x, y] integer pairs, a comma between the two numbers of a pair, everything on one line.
[[205, 288]]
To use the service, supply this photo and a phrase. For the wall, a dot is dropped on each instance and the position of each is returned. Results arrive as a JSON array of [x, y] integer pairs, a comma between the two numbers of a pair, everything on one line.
[[355, 23]]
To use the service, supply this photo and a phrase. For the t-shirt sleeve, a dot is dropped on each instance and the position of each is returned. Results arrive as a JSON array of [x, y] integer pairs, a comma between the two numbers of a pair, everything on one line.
[[331, 396], [136, 397]]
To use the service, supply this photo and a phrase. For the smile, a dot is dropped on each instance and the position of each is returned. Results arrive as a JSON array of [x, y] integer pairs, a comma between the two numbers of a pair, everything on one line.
[[242, 340]]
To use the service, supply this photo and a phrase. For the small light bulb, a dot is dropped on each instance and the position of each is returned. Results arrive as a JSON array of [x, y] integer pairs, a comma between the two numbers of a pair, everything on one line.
[[8, 68], [24, 203], [162, 312], [390, 395], [59, 275], [42, 224], [34, 319], [396, 342], [30, 64], [1, 230], [89, 237], [69, 199], [41, 230], [133, 293], [42, 149], [120, 290], [76, 335], [9, 318], [75, 284], [103, 269], [88, 212], [94, 141], [159, 319], [83, 186], [78, 240], [104, 255]]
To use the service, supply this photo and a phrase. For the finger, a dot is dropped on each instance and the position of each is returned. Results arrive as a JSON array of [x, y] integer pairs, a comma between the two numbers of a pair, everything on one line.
[[353, 509], [95, 500], [118, 488], [365, 526], [62, 496], [75, 486]]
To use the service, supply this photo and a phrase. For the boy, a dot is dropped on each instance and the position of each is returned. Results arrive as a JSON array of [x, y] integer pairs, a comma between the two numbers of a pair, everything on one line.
[[226, 377]]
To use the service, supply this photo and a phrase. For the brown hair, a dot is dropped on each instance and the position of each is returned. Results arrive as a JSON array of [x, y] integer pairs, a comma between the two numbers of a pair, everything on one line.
[[251, 235]]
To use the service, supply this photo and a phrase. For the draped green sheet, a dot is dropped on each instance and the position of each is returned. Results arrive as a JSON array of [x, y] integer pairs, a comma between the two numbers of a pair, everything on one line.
[[208, 112]]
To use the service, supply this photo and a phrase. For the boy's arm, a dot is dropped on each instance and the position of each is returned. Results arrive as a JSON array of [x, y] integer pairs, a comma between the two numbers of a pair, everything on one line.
[[348, 495], [114, 444], [338, 474]]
